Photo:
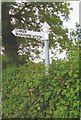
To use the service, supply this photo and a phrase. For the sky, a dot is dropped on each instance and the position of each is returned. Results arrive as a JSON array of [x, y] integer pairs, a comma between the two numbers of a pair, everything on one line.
[[74, 15]]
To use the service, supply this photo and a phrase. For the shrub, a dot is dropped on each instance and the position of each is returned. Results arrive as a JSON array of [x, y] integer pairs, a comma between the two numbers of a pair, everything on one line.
[[29, 93]]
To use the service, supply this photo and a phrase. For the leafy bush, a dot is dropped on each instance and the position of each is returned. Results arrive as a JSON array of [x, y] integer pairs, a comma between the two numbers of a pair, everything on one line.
[[29, 93]]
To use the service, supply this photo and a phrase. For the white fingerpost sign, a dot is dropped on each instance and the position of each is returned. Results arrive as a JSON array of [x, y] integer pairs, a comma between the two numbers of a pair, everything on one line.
[[33, 34]]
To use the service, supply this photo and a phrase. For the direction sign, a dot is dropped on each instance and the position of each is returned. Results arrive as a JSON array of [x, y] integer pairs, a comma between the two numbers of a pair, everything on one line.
[[33, 34], [27, 33]]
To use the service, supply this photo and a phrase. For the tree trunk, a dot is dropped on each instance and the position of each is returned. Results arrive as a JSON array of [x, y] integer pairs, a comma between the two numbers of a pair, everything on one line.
[[9, 41], [11, 49]]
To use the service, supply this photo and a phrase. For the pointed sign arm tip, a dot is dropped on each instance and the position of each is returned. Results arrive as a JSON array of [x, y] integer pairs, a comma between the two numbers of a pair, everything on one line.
[[13, 31]]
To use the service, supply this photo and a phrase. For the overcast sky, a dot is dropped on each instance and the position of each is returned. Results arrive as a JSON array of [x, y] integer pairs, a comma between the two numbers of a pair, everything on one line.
[[74, 16]]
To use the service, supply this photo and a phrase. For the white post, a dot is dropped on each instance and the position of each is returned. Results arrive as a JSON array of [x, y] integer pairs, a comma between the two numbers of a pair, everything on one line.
[[46, 42], [45, 29]]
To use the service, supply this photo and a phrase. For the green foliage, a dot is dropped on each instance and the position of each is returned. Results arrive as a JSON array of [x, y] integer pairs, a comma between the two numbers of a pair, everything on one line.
[[29, 93]]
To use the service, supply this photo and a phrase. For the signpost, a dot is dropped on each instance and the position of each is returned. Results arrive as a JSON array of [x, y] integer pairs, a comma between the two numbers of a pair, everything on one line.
[[41, 35]]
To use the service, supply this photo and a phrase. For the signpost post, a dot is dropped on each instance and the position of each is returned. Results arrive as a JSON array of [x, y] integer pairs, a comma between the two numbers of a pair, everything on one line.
[[42, 35], [45, 29]]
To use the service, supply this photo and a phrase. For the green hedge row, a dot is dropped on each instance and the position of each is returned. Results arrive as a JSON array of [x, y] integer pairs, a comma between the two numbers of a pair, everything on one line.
[[29, 93]]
